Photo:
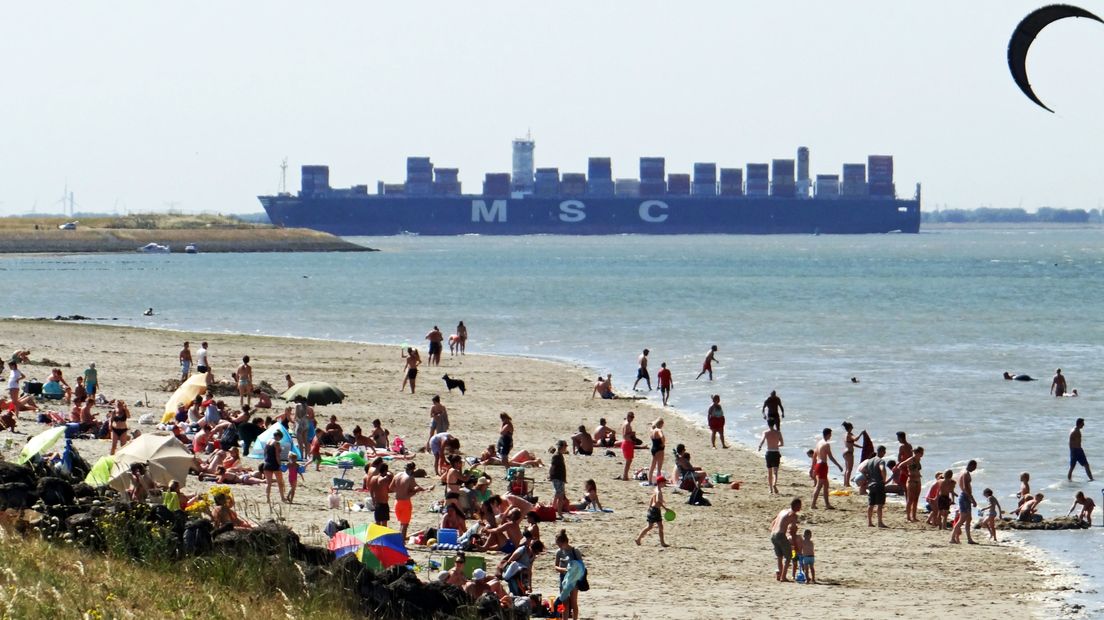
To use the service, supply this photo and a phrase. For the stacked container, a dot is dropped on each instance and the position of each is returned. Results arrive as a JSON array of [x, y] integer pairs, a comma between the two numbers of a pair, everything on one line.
[[705, 179], [419, 176], [678, 184], [803, 184], [732, 182], [394, 189], [446, 181], [316, 179], [827, 186], [783, 183], [880, 170], [573, 184], [496, 184], [599, 177], [652, 173], [627, 187], [854, 180], [548, 182], [758, 179]]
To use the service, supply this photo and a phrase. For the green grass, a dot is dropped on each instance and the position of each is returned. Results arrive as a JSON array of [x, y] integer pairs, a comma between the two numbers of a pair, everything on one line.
[[47, 580]]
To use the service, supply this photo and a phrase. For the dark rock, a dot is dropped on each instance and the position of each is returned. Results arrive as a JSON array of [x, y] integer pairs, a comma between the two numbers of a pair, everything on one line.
[[55, 491], [316, 556], [17, 495], [10, 472], [269, 538], [197, 537], [84, 490]]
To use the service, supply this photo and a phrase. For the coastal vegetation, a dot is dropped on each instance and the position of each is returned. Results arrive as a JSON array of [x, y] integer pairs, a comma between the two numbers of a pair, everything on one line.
[[992, 215]]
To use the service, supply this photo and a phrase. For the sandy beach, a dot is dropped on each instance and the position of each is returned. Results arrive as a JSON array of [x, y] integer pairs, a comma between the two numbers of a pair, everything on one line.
[[720, 563]]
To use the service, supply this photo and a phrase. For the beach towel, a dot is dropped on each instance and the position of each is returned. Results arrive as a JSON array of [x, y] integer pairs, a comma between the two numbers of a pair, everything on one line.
[[867, 450], [575, 574]]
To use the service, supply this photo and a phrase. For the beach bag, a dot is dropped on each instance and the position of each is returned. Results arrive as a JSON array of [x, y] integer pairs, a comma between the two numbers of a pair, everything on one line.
[[722, 478], [697, 498], [545, 513]]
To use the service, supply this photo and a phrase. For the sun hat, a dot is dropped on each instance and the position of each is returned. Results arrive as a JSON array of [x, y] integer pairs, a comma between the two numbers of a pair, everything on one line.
[[478, 574]]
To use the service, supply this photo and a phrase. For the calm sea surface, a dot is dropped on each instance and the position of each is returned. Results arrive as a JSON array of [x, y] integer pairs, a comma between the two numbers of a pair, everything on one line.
[[927, 322]]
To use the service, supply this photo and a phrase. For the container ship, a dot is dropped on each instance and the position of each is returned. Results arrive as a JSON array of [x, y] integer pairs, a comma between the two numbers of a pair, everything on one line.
[[761, 198]]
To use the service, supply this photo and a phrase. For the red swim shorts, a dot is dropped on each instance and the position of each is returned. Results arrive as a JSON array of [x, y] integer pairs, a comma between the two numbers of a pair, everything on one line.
[[403, 510], [628, 450], [821, 470], [716, 424]]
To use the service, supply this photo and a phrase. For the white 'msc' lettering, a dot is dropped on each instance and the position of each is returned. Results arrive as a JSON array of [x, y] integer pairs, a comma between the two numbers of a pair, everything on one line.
[[495, 213], [572, 211], [646, 211]]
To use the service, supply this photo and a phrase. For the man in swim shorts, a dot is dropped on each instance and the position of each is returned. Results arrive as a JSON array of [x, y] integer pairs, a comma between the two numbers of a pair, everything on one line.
[[380, 488], [773, 438], [245, 383], [405, 487], [773, 411], [707, 365], [628, 443], [1058, 384], [642, 371], [666, 383], [435, 338], [1077, 455], [781, 524], [185, 362], [966, 505], [823, 453]]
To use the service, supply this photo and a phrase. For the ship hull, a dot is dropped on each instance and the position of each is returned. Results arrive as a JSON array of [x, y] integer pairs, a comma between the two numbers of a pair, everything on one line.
[[589, 215]]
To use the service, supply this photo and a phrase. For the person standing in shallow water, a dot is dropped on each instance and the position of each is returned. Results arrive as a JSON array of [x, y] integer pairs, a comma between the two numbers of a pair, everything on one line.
[[642, 371], [1058, 384], [1077, 454], [462, 335], [773, 411], [716, 418], [666, 383]]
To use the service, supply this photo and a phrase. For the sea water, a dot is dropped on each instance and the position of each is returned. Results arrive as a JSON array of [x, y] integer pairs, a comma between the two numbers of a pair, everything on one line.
[[927, 323]]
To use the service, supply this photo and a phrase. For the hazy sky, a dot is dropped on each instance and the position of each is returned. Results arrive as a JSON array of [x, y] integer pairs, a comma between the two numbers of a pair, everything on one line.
[[137, 105]]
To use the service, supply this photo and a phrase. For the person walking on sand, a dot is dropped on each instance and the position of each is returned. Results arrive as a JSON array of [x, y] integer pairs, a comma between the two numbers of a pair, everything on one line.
[[666, 383], [773, 411], [966, 504], [658, 450], [823, 453], [781, 524], [642, 371], [412, 359], [271, 466], [405, 486], [628, 443], [185, 362], [245, 383], [435, 338], [1058, 384], [707, 365], [656, 507], [716, 418], [1077, 455], [773, 438]]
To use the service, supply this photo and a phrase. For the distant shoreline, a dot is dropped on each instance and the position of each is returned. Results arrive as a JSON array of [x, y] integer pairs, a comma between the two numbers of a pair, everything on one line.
[[127, 235], [929, 226]]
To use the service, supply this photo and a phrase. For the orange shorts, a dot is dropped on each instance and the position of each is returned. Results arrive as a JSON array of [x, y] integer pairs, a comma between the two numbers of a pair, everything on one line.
[[403, 511], [821, 470], [628, 449]]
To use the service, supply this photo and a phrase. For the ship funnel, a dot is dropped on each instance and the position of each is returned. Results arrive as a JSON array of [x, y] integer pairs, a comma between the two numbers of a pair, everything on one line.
[[803, 183], [523, 166]]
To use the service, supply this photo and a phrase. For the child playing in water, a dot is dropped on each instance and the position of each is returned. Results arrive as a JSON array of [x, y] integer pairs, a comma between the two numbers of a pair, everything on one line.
[[293, 475], [808, 556], [1087, 506], [655, 514], [991, 519]]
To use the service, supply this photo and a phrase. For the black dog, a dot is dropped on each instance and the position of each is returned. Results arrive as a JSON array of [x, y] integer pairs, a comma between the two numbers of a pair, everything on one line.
[[454, 383]]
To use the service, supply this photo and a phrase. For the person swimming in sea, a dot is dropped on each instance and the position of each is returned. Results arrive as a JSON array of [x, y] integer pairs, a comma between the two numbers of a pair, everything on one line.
[[1011, 377]]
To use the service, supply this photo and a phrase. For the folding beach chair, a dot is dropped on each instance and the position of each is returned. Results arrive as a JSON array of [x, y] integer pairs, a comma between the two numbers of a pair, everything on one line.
[[342, 483]]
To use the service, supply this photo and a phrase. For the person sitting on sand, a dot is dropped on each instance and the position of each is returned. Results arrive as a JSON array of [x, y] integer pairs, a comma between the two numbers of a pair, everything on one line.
[[380, 436], [582, 442], [264, 401], [590, 500], [140, 483], [1028, 511], [334, 434], [604, 436], [604, 388], [506, 535], [453, 519], [1087, 506], [224, 514], [56, 387], [26, 403], [684, 469], [521, 458]]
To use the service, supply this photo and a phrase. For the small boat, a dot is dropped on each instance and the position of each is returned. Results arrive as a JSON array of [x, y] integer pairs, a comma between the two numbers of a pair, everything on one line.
[[191, 249], [154, 248]]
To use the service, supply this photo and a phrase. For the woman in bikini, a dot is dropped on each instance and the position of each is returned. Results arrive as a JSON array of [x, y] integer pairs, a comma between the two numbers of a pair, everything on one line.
[[119, 425], [912, 486], [272, 466], [659, 446], [848, 452], [590, 501]]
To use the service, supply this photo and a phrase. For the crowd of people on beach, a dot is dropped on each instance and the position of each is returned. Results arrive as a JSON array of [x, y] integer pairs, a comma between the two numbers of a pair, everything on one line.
[[474, 517]]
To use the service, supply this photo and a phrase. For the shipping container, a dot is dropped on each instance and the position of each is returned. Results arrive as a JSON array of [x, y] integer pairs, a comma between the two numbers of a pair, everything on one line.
[[627, 187], [419, 188], [653, 188], [446, 175], [678, 184], [652, 169], [599, 168], [732, 176], [703, 189], [418, 163], [782, 169], [854, 173], [600, 187], [783, 189], [394, 189], [446, 188], [882, 189], [705, 173], [827, 186], [758, 172]]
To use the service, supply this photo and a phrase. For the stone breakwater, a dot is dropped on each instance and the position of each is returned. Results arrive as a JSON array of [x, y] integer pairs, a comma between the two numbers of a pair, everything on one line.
[[207, 240]]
